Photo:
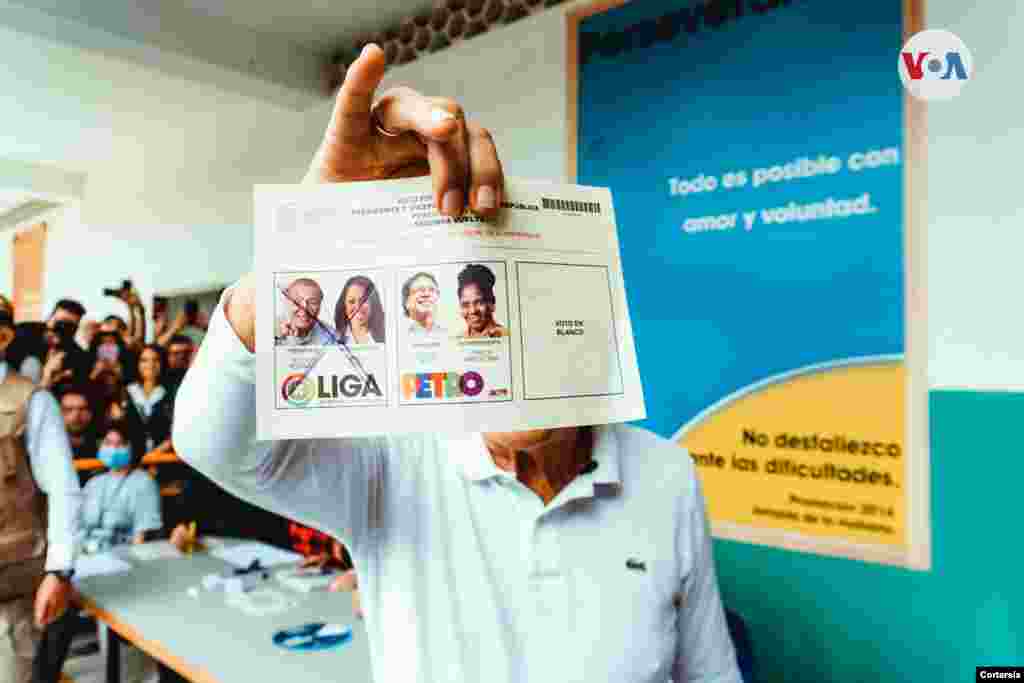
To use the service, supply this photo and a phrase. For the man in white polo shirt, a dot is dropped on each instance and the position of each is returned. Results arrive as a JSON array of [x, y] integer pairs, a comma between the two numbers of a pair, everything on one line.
[[558, 555]]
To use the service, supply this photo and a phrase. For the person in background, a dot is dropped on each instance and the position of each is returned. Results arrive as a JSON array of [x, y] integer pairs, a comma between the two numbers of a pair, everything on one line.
[[164, 330], [359, 314], [190, 322], [320, 550], [121, 506], [134, 333], [77, 408], [55, 356], [335, 556], [111, 364], [87, 330], [180, 350], [150, 404], [39, 504], [114, 324]]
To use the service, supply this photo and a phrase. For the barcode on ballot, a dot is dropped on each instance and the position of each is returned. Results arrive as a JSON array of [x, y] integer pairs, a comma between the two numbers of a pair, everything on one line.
[[570, 205]]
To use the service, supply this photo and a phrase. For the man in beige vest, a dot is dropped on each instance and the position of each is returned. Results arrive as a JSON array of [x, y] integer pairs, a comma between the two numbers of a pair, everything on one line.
[[39, 503]]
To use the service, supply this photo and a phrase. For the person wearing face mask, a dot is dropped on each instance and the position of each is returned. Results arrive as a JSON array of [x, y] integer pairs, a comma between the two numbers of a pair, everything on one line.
[[420, 294], [40, 499], [302, 326], [359, 314], [123, 504]]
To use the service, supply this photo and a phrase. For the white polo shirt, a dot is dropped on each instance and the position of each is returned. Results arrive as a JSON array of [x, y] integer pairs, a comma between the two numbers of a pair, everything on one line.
[[465, 575]]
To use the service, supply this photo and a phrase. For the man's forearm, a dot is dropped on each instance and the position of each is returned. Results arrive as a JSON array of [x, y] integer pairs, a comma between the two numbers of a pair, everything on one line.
[[137, 326], [165, 339]]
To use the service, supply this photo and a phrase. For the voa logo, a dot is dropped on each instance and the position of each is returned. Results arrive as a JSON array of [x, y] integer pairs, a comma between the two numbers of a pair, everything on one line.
[[935, 65]]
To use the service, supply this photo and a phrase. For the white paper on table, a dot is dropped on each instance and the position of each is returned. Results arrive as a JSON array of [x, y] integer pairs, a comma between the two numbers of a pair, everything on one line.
[[566, 356], [99, 564], [156, 550], [260, 603], [306, 579], [243, 554]]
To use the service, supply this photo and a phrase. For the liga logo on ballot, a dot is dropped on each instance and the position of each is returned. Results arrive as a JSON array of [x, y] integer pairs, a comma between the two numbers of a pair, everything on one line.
[[935, 65], [300, 390]]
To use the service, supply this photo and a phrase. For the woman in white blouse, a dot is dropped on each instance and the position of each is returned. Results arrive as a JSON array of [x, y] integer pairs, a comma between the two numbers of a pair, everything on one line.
[[150, 404]]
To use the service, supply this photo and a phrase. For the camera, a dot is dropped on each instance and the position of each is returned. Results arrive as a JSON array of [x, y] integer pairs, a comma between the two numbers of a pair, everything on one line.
[[126, 285]]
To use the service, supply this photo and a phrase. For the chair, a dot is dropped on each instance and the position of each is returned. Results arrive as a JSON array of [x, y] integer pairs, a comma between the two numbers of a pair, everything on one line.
[[744, 647]]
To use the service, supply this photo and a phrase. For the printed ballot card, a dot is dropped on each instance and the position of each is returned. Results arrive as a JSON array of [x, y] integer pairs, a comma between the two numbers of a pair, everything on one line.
[[378, 315]]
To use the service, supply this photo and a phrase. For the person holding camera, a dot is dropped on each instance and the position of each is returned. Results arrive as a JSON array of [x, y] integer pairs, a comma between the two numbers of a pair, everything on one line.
[[48, 354], [133, 333], [190, 323]]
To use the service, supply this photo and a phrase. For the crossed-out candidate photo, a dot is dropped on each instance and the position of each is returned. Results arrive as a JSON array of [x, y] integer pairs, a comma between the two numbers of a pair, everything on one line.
[[330, 332], [301, 319]]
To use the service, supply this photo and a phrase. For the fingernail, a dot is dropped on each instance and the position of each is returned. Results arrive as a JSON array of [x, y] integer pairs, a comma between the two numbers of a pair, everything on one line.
[[485, 197], [451, 205], [366, 49], [438, 115]]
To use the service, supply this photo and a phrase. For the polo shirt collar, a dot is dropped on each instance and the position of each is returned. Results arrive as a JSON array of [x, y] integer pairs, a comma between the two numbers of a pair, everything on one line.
[[476, 464]]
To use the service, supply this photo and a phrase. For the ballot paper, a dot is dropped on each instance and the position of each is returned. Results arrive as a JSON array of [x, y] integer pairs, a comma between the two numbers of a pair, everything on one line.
[[306, 579], [376, 315], [155, 550], [243, 554], [98, 565]]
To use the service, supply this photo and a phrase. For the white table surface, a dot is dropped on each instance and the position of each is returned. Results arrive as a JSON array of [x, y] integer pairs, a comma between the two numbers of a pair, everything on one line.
[[221, 642]]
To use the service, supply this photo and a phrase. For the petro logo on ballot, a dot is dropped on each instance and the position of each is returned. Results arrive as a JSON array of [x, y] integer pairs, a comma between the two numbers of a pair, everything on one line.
[[299, 390], [442, 385], [935, 65]]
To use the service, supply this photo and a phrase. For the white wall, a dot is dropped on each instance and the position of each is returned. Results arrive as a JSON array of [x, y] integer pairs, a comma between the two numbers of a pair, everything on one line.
[[512, 82], [170, 164], [169, 167], [976, 205], [172, 206]]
